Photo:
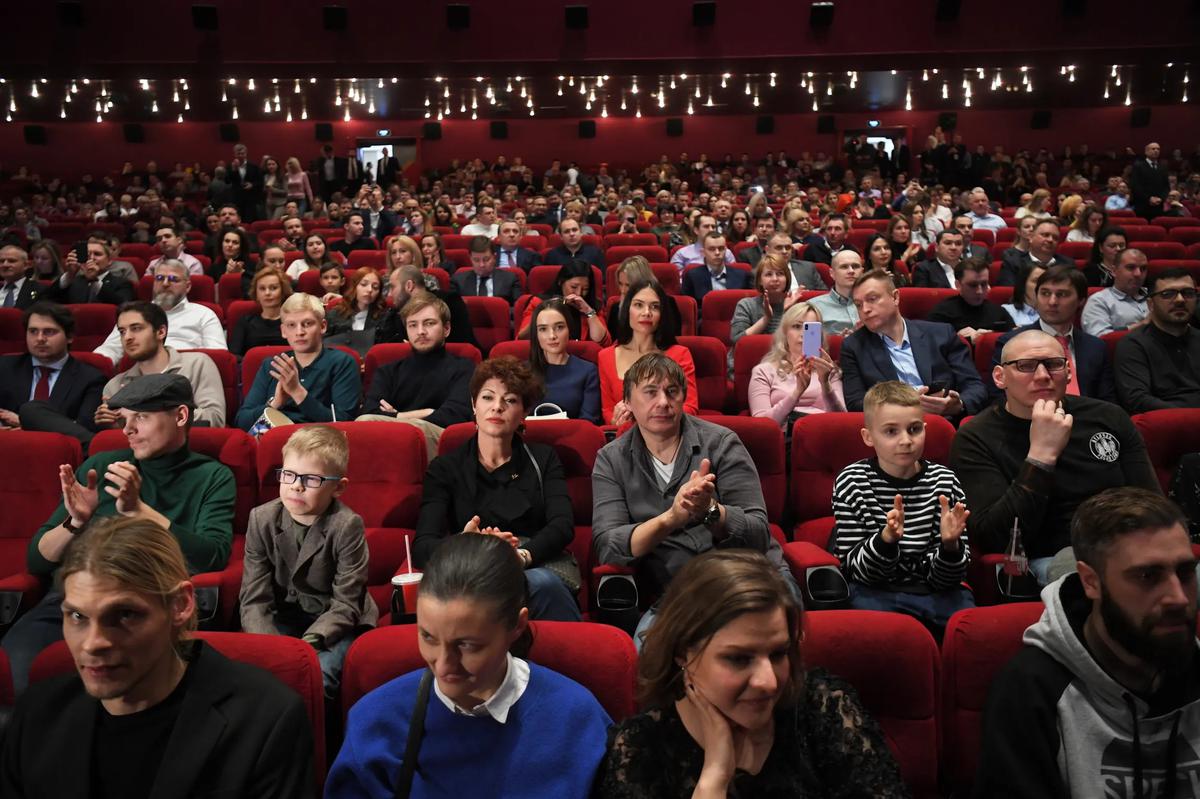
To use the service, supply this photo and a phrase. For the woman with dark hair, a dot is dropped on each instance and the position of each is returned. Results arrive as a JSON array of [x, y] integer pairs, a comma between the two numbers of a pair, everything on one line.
[[269, 288], [878, 254], [899, 238], [434, 252], [443, 216], [362, 304], [1023, 308], [1106, 251], [496, 724], [234, 254], [730, 709], [573, 284], [923, 225], [572, 383], [316, 256], [1090, 221], [739, 228], [275, 193], [497, 484], [647, 323]]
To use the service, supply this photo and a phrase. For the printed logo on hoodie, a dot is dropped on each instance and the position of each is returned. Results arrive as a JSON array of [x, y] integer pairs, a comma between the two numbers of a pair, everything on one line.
[[1118, 776], [1105, 447]]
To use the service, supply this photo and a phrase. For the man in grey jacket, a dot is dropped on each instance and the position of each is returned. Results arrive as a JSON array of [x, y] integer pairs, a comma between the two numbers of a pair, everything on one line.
[[674, 486], [1104, 697]]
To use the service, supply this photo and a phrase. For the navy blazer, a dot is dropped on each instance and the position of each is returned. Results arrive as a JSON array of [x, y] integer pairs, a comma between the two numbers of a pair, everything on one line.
[[697, 281], [76, 393], [1094, 372], [504, 284], [113, 291], [930, 275], [587, 252], [526, 258], [31, 292], [941, 357]]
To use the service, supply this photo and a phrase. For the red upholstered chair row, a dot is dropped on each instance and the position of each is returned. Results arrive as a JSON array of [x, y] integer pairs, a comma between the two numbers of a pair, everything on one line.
[[666, 273]]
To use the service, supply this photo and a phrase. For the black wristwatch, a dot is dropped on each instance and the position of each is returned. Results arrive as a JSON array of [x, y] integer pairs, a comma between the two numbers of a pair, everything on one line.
[[69, 526], [712, 515]]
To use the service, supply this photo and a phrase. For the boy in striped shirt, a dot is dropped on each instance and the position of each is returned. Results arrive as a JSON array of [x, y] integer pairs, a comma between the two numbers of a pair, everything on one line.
[[900, 520]]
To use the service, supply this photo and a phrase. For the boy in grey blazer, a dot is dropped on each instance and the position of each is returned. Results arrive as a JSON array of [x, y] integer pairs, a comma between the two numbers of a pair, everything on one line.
[[306, 556]]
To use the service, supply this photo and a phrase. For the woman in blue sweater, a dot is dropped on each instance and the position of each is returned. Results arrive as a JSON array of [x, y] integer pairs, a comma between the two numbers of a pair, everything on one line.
[[572, 383], [494, 724]]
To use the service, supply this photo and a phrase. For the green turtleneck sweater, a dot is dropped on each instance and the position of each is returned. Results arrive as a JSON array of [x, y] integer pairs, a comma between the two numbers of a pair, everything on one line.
[[194, 491]]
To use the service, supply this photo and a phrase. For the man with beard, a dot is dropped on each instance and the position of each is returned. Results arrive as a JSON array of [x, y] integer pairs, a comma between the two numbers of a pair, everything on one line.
[[1103, 698], [192, 326]]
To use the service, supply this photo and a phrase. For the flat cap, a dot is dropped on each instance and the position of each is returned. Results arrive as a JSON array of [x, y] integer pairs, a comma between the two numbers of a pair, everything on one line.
[[159, 392]]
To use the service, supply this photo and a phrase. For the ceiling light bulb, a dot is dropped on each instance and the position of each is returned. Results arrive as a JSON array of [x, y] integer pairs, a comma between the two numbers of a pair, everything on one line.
[[346, 116], [304, 113], [235, 111], [289, 115], [380, 85], [370, 107], [154, 106], [690, 109], [772, 79], [638, 113], [266, 106], [604, 112], [250, 85]]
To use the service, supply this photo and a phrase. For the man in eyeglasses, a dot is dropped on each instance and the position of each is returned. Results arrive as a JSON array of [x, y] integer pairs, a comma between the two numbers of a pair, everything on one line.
[[192, 326], [1034, 457], [157, 478], [1158, 365], [143, 328], [170, 243]]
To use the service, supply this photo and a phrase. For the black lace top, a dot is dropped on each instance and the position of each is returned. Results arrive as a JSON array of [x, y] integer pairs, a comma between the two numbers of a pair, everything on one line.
[[825, 746]]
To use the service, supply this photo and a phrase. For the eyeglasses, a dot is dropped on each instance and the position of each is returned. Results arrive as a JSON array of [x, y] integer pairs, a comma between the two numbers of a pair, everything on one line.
[[1030, 365], [1170, 294], [288, 477], [172, 279]]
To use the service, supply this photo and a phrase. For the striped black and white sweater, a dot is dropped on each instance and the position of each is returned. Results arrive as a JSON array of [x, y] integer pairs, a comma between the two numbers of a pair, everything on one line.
[[862, 496]]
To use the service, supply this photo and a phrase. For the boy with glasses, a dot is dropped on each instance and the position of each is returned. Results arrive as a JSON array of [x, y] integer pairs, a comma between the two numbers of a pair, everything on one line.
[[306, 556], [1034, 457], [1158, 365]]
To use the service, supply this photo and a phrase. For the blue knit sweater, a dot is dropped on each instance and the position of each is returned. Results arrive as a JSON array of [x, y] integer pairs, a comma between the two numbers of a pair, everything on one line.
[[551, 745], [575, 387]]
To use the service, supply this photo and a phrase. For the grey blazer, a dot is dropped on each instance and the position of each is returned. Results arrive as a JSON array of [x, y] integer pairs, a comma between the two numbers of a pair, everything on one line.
[[326, 577]]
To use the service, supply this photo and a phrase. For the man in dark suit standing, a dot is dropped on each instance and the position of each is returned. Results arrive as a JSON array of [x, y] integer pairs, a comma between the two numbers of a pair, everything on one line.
[[247, 180], [46, 389], [483, 279], [1061, 290], [573, 246], [1148, 184], [510, 253], [929, 356], [938, 273], [91, 281], [387, 168], [713, 274], [18, 289], [333, 173]]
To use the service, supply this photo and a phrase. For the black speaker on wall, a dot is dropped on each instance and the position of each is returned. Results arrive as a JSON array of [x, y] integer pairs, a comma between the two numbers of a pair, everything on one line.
[[204, 18], [431, 131], [35, 134], [587, 128], [323, 131], [335, 18], [134, 133], [674, 126], [948, 120], [499, 130], [764, 125], [1040, 120], [704, 14], [575, 18], [1139, 118], [826, 124], [458, 17], [947, 10], [229, 132]]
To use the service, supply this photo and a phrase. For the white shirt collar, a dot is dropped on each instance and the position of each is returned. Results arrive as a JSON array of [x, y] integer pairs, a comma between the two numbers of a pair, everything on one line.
[[512, 688], [180, 308]]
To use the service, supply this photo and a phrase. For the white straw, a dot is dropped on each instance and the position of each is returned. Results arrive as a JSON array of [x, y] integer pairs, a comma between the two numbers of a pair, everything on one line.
[[408, 554]]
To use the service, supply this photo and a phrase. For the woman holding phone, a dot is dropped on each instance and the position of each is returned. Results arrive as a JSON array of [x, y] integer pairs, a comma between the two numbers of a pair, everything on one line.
[[793, 379]]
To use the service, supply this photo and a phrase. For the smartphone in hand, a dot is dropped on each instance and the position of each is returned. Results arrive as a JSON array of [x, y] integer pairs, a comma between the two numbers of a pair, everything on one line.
[[812, 340]]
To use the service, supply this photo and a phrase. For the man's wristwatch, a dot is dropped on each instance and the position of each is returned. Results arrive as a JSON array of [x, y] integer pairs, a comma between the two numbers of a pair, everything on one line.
[[712, 515], [70, 526], [590, 314]]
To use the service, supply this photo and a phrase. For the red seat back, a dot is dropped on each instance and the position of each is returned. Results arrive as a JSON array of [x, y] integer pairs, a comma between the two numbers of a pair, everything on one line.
[[93, 322], [96, 361], [380, 354], [1155, 267], [916, 303], [1169, 435], [237, 309], [12, 332], [630, 240], [372, 258], [1156, 250], [763, 439], [651, 252], [29, 488], [1186, 235], [710, 357], [1142, 232], [292, 661], [229, 289], [717, 312], [227, 366], [747, 354], [599, 657], [977, 644], [489, 320]]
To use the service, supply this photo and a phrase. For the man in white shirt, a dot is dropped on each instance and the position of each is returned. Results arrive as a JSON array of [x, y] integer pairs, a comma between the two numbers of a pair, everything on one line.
[[981, 212], [170, 244], [1121, 306], [191, 326], [484, 224]]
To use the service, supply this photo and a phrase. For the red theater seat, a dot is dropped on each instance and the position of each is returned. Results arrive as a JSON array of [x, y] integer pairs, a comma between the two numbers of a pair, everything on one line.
[[387, 466], [598, 657], [916, 303], [893, 664], [763, 440], [489, 320], [985, 350], [380, 354], [12, 332], [630, 240], [651, 252], [237, 309], [1155, 267], [976, 646], [1143, 232], [717, 312], [229, 289], [292, 661], [227, 366], [1169, 435], [1158, 250], [93, 322], [96, 361], [1186, 235], [710, 357], [29, 492]]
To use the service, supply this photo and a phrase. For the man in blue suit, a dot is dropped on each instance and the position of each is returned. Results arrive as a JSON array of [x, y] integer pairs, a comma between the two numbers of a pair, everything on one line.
[[509, 251], [1061, 291], [714, 274], [929, 356]]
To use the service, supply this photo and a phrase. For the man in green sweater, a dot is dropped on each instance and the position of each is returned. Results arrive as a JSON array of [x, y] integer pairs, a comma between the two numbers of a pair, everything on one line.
[[158, 478]]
